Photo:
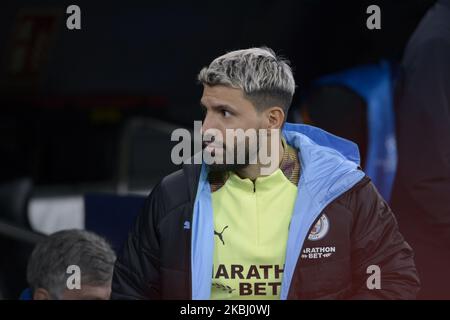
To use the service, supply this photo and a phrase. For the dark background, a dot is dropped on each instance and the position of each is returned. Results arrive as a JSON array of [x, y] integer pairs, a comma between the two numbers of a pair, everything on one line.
[[62, 119]]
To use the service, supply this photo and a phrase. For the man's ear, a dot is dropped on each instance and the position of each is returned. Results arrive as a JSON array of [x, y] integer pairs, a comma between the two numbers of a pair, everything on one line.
[[275, 117], [41, 294]]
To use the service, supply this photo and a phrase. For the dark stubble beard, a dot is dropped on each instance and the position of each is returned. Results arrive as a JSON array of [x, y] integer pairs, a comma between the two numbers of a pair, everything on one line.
[[223, 167]]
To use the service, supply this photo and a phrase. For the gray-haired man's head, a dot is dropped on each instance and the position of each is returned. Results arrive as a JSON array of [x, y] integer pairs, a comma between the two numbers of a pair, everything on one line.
[[244, 89], [47, 272], [265, 78]]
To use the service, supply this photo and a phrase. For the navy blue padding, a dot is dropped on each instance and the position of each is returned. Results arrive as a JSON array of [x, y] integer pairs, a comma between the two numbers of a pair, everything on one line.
[[111, 216]]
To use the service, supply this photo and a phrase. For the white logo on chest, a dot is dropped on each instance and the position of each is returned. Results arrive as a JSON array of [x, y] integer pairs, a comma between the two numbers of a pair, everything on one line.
[[320, 229]]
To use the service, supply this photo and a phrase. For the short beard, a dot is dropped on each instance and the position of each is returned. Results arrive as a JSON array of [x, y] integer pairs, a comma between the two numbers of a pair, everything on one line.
[[223, 167]]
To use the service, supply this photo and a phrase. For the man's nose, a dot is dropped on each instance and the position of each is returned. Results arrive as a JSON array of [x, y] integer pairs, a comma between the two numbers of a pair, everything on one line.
[[209, 130], [208, 123]]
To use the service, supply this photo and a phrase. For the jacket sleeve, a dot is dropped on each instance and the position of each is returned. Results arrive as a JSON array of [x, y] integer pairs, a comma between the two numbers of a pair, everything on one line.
[[376, 241], [136, 272]]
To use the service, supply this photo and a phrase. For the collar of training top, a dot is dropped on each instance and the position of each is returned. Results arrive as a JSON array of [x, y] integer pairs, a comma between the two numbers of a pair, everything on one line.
[[290, 166]]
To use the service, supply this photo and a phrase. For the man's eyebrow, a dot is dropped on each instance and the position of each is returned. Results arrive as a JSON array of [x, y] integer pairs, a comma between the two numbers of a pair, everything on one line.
[[218, 106]]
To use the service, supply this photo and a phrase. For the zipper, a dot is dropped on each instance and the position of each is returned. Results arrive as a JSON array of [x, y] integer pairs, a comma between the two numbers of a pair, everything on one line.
[[297, 264], [188, 244], [188, 259]]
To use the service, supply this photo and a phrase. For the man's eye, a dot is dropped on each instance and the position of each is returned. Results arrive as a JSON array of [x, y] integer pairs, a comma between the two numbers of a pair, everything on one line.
[[226, 113]]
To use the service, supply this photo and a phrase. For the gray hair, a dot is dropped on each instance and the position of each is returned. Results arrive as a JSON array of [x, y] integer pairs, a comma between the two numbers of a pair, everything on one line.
[[51, 257], [265, 78]]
